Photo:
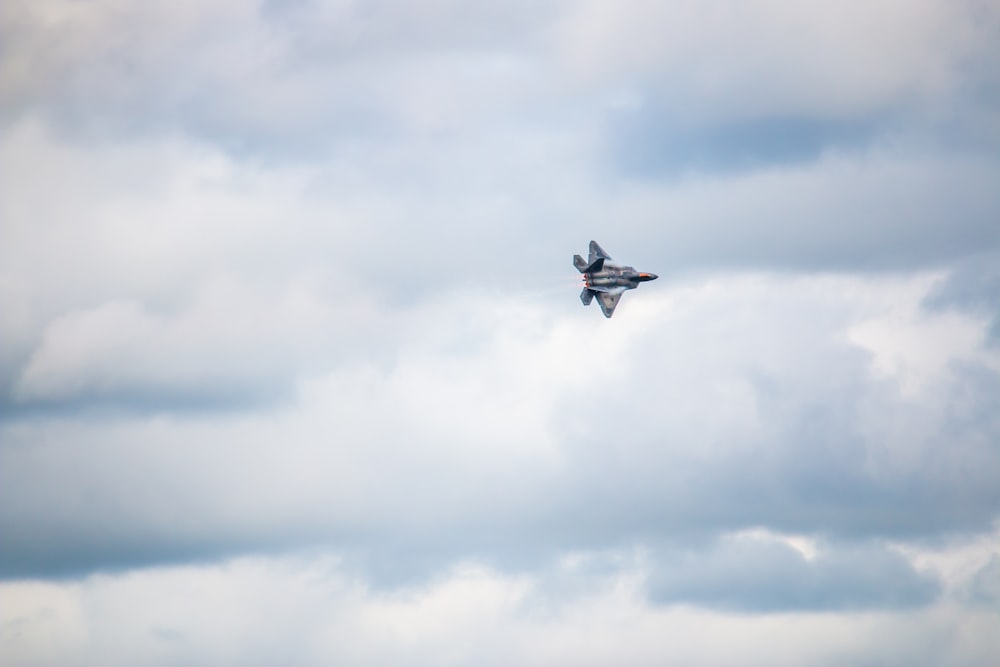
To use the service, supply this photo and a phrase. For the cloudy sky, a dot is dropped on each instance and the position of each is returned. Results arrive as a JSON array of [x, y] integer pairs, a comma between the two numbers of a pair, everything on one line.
[[293, 368]]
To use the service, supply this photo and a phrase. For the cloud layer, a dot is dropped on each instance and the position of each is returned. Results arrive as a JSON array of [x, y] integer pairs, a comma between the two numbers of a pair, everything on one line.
[[291, 344]]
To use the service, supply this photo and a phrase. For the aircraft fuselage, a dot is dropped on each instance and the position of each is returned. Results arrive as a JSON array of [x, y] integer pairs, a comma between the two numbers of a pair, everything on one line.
[[615, 275]]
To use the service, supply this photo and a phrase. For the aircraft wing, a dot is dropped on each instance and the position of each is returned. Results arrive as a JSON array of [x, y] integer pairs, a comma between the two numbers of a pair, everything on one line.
[[608, 301]]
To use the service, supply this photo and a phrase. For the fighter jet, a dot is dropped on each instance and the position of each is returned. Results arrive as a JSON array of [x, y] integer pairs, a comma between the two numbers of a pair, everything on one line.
[[605, 279]]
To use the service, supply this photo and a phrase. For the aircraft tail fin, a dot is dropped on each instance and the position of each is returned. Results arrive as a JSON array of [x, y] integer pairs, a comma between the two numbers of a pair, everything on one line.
[[587, 295], [597, 251], [596, 263]]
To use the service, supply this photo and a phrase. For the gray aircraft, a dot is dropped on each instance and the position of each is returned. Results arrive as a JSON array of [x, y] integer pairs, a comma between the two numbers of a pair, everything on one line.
[[605, 279]]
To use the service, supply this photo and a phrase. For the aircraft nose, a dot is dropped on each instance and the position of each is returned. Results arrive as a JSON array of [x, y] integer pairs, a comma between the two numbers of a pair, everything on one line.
[[648, 276]]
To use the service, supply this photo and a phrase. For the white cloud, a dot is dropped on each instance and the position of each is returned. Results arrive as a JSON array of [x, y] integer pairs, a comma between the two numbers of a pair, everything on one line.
[[915, 348], [498, 427], [712, 61], [292, 345], [209, 259], [254, 611]]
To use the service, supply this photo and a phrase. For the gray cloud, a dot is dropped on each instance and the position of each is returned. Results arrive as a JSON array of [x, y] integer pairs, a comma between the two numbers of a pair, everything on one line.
[[985, 585], [973, 285], [310, 80], [514, 457], [749, 575], [292, 280], [650, 144]]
